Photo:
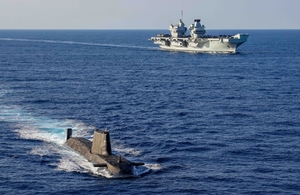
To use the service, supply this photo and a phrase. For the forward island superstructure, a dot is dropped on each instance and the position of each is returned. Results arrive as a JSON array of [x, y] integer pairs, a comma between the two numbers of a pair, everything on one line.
[[197, 41]]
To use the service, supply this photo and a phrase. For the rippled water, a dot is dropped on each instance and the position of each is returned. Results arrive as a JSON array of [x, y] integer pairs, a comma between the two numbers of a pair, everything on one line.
[[202, 123]]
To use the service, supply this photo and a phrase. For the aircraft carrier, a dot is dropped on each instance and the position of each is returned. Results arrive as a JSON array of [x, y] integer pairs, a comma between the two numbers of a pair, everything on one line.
[[198, 41]]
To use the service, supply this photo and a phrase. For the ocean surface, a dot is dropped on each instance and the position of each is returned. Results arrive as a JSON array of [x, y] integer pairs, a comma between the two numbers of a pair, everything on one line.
[[202, 123]]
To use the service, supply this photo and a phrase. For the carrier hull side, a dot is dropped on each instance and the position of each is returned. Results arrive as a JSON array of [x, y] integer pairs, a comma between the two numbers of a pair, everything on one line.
[[202, 45], [211, 48]]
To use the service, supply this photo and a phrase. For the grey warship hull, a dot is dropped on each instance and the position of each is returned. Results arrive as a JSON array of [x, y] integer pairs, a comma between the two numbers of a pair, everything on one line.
[[99, 153], [202, 45], [197, 41]]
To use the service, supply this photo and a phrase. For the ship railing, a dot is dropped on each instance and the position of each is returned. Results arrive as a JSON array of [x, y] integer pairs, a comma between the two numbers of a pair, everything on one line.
[[216, 36], [163, 35]]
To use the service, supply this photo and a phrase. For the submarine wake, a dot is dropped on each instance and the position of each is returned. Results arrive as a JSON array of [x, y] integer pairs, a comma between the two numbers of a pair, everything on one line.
[[52, 133]]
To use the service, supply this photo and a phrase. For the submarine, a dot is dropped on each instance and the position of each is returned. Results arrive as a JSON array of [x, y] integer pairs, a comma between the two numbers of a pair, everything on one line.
[[99, 153]]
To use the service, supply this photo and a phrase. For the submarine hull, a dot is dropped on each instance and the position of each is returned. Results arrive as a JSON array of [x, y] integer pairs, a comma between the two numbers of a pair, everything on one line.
[[99, 153]]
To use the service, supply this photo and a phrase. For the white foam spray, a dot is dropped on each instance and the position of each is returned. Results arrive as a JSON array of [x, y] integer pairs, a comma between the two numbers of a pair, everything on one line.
[[52, 133]]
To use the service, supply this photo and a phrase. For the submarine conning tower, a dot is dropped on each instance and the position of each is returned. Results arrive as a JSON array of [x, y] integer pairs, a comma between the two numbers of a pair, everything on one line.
[[69, 133], [101, 143]]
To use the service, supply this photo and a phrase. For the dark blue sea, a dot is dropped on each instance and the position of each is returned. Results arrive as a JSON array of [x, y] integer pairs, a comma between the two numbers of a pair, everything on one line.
[[202, 123]]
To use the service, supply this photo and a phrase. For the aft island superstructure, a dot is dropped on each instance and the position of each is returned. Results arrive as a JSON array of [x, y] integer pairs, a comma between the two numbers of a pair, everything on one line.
[[197, 41]]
